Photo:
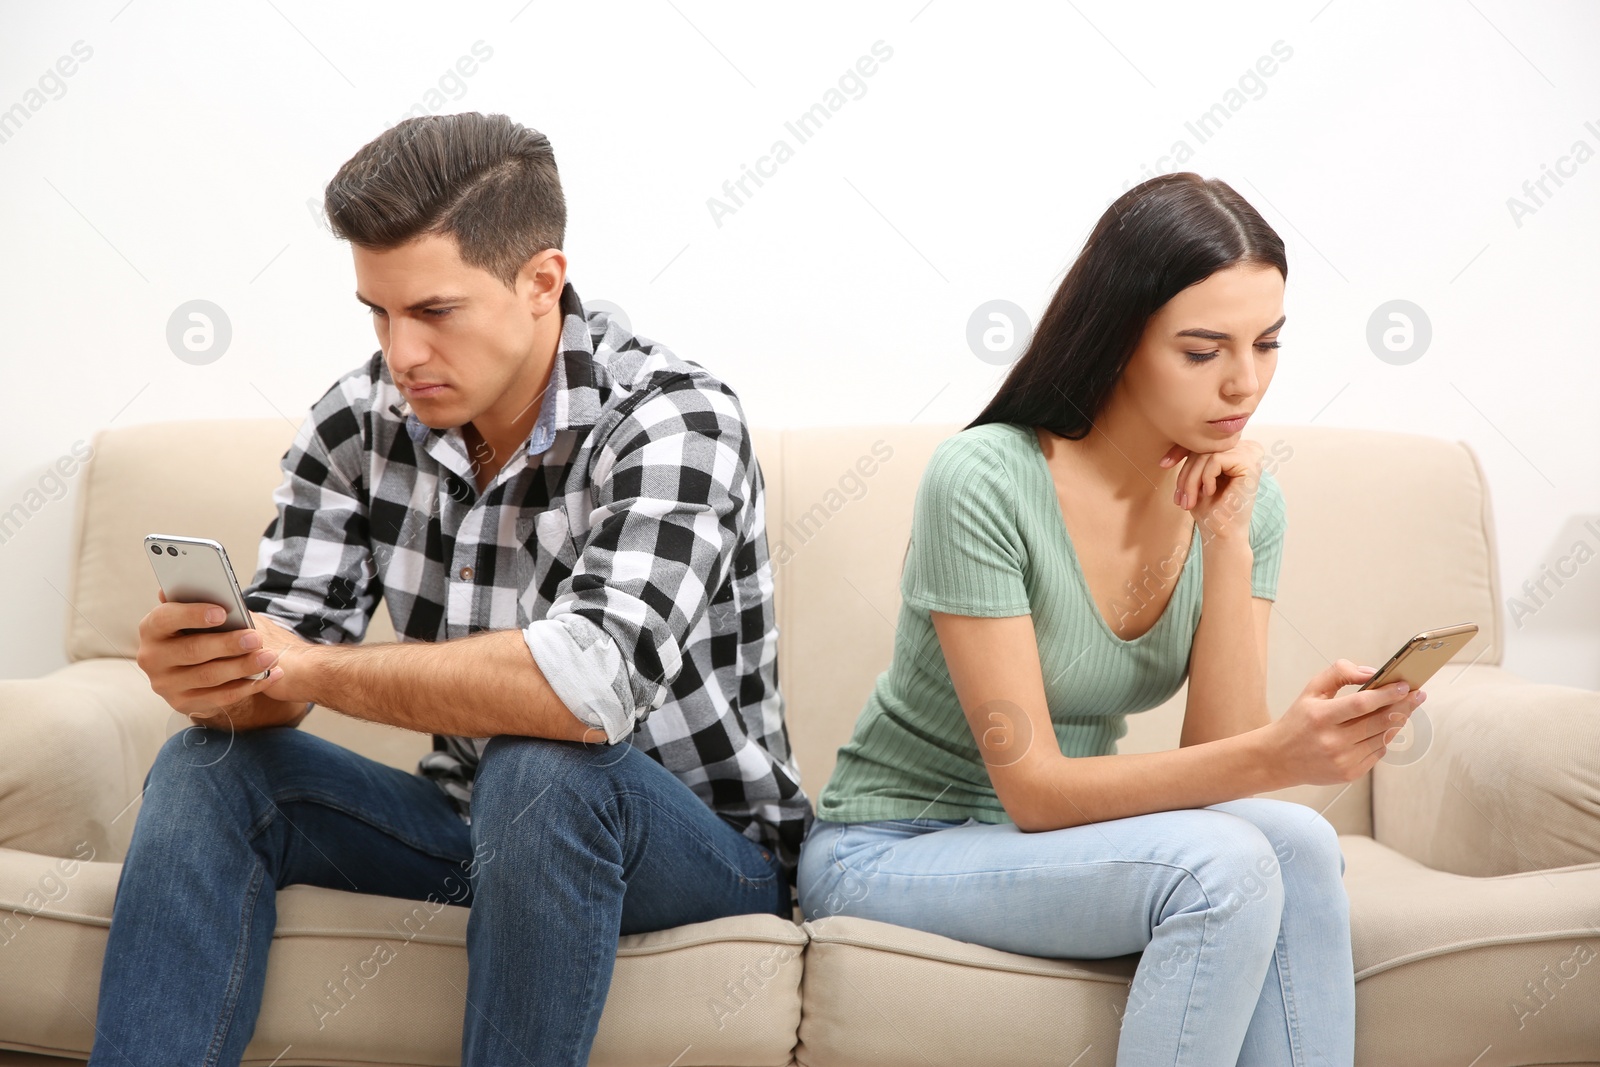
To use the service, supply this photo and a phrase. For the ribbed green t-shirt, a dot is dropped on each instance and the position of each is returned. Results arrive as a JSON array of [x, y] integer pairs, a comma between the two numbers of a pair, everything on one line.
[[987, 539]]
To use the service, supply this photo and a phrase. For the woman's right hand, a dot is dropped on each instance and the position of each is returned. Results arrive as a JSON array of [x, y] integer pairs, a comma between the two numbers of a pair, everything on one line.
[[1327, 739]]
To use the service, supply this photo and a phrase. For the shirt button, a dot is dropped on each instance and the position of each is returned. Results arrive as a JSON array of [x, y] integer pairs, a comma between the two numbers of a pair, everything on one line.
[[765, 855], [466, 574]]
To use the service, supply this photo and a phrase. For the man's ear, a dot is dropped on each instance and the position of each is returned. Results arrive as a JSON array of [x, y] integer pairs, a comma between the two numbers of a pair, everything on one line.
[[540, 281]]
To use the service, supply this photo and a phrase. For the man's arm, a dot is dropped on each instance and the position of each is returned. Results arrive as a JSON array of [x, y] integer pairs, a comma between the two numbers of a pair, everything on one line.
[[670, 503], [476, 686]]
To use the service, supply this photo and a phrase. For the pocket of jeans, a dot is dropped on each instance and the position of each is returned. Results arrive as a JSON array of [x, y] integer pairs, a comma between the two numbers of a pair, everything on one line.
[[915, 826], [758, 866]]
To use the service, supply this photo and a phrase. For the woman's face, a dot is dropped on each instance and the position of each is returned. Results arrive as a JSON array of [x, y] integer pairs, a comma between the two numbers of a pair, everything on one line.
[[1206, 354]]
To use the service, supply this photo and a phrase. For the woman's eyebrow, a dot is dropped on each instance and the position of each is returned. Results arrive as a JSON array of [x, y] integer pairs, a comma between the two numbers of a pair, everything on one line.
[[1218, 335]]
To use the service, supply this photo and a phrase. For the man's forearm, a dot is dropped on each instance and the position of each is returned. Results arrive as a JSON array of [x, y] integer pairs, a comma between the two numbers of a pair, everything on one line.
[[476, 686]]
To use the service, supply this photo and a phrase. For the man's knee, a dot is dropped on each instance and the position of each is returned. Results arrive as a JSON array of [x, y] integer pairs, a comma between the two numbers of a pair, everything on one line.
[[202, 759], [517, 772]]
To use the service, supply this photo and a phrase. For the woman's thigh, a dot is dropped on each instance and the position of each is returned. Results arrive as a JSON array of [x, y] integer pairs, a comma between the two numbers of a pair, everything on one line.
[[1086, 892]]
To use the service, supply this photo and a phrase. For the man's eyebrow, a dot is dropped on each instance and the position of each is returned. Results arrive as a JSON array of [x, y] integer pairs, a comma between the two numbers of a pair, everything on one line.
[[426, 302], [1216, 335]]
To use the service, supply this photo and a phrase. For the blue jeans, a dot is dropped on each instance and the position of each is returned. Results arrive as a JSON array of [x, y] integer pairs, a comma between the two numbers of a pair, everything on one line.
[[1238, 909], [570, 846]]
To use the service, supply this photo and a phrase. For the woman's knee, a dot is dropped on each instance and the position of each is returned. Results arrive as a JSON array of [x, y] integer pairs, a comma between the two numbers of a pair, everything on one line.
[[1238, 877], [1305, 843]]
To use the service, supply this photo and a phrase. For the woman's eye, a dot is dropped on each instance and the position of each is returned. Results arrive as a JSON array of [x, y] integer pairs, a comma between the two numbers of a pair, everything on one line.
[[1204, 357]]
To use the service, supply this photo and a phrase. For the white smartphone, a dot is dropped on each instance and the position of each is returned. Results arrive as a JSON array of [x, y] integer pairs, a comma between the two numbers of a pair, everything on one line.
[[195, 570]]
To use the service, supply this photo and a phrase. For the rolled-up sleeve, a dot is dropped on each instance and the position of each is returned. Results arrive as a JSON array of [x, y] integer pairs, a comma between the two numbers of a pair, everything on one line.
[[672, 497], [586, 670], [314, 570]]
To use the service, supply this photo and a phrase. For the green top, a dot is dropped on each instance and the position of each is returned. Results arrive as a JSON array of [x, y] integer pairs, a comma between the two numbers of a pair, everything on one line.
[[987, 539]]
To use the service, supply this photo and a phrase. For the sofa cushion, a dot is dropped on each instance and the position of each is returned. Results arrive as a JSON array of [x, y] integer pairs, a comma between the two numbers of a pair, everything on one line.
[[355, 979], [1451, 968]]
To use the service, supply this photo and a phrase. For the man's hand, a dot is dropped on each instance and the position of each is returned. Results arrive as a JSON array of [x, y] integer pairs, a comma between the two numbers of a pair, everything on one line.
[[206, 676], [1219, 488]]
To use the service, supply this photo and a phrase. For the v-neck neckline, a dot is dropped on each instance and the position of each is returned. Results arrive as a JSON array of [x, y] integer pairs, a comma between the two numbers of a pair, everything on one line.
[[1077, 565]]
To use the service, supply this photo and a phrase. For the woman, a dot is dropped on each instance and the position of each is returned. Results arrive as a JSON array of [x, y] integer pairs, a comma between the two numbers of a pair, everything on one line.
[[1095, 536]]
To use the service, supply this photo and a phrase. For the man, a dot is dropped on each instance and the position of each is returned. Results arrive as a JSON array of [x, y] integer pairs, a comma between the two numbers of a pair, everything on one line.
[[566, 523]]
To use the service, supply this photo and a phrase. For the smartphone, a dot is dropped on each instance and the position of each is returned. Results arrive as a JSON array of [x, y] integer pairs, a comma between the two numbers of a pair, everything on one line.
[[1421, 656], [195, 570]]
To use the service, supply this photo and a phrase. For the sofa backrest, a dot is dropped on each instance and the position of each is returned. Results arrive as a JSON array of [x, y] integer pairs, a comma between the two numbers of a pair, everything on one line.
[[1388, 534]]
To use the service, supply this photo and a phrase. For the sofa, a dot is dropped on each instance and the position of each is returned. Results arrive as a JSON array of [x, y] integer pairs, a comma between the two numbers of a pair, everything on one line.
[[1472, 850]]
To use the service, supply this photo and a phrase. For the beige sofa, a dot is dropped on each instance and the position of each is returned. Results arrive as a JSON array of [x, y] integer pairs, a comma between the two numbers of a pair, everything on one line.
[[1473, 856]]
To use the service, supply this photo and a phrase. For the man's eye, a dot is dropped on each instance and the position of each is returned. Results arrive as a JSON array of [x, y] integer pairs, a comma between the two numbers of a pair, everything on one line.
[[437, 313]]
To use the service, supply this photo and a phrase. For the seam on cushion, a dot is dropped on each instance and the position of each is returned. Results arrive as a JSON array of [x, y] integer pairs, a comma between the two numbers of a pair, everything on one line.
[[854, 942], [1482, 942], [80, 525], [1491, 549], [361, 934]]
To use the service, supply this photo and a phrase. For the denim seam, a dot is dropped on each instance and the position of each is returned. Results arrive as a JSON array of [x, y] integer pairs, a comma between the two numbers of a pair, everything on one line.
[[230, 999], [591, 1021], [336, 803], [710, 845], [1184, 1037], [1291, 1017]]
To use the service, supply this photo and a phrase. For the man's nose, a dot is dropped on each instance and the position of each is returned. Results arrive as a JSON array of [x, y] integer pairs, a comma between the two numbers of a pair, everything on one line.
[[405, 349]]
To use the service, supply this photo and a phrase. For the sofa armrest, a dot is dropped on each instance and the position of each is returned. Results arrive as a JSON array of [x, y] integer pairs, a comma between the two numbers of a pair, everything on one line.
[[1501, 776], [78, 743]]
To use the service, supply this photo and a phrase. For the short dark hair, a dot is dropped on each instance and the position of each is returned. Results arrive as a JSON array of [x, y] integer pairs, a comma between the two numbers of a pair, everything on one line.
[[1154, 241], [483, 179]]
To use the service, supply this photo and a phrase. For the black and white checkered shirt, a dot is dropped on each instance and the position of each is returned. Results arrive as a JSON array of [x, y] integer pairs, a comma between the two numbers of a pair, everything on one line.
[[627, 542]]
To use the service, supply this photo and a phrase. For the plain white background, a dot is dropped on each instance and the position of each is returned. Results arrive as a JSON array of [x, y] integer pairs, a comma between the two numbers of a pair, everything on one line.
[[177, 161]]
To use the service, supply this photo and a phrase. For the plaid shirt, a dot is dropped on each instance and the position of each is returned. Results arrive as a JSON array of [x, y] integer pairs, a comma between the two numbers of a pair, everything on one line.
[[627, 542]]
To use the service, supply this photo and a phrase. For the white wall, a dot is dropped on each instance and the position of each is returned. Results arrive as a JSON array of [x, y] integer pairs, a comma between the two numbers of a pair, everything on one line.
[[176, 163]]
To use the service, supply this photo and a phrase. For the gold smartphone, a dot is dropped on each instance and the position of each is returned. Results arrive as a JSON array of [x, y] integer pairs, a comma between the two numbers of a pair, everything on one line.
[[1421, 656]]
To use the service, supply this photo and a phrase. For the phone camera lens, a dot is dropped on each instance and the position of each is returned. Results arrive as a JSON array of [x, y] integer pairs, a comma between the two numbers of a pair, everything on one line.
[[156, 549], [171, 551]]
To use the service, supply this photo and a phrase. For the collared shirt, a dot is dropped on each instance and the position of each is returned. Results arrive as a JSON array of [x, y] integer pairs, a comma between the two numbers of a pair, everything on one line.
[[627, 542]]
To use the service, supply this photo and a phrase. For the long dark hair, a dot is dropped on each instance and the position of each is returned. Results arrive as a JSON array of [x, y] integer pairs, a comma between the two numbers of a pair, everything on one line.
[[1157, 239]]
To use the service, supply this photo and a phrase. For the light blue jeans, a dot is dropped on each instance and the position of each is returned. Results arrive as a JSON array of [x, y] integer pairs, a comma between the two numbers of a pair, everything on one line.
[[1238, 909]]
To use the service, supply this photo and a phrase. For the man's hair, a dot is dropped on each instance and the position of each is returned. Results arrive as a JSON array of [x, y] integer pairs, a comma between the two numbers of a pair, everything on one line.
[[483, 179]]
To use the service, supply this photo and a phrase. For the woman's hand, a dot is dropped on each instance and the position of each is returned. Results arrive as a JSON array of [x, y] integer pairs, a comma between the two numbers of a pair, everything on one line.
[[1219, 488], [1327, 739]]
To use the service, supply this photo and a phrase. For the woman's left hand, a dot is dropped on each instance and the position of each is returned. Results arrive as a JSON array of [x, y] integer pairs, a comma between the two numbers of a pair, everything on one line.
[[1219, 488]]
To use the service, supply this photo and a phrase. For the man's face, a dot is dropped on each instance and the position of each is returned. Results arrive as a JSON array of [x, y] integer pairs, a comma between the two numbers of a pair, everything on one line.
[[455, 338], [1179, 382]]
